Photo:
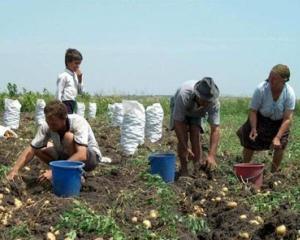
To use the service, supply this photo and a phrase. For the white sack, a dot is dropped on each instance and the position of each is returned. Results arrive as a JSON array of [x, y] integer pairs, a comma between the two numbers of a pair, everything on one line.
[[92, 110], [39, 111], [133, 127], [154, 122], [11, 117], [80, 109]]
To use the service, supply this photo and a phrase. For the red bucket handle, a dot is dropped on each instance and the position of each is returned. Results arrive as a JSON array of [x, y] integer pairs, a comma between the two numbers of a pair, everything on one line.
[[250, 178]]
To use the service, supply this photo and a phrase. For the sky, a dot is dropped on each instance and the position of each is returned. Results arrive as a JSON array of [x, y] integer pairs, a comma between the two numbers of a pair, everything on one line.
[[149, 47]]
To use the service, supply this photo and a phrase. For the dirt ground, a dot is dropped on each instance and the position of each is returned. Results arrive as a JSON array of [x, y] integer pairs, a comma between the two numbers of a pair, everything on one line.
[[41, 209]]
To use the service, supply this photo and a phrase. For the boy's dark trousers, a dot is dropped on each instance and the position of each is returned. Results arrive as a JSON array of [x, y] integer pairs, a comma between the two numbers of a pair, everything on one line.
[[71, 106]]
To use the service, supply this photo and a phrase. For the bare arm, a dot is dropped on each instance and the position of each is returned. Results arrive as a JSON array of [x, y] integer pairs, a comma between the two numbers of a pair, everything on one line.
[[22, 160], [287, 120], [253, 123], [214, 140], [253, 118], [80, 82]]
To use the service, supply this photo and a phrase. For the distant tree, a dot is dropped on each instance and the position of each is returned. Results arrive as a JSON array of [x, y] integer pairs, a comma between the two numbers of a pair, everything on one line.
[[12, 89]]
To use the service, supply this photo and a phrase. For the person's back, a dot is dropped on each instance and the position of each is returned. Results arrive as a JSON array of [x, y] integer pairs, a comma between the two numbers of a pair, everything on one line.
[[69, 83]]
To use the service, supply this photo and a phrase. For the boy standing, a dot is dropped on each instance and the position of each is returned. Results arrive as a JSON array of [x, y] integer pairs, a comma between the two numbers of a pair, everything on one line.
[[69, 83]]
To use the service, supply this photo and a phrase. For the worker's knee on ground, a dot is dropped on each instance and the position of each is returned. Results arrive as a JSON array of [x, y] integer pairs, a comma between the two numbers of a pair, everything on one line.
[[37, 152], [68, 137]]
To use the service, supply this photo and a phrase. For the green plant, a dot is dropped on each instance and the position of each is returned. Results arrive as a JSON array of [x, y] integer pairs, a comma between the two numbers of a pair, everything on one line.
[[166, 200], [19, 231], [82, 219], [12, 89], [71, 235], [195, 224], [269, 201], [3, 170]]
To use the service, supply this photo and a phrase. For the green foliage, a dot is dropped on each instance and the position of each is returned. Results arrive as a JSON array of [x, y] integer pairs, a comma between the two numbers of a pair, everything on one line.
[[12, 90], [3, 170], [71, 235], [166, 201], [195, 224], [269, 201], [19, 231], [81, 218]]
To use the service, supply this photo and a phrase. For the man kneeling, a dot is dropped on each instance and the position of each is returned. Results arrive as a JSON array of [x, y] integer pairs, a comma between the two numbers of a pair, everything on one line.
[[72, 138]]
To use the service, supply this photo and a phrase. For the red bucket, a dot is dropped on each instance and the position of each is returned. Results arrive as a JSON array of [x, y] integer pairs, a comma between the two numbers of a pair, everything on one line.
[[250, 172]]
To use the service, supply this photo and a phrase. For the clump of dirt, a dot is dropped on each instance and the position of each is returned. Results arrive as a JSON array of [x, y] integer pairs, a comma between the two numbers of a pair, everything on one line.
[[290, 219], [213, 196]]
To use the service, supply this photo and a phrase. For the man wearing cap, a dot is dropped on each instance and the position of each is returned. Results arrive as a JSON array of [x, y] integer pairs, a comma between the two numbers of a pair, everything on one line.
[[270, 117], [194, 101]]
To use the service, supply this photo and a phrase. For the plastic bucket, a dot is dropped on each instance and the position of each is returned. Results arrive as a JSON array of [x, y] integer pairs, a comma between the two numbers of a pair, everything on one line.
[[66, 177], [163, 164], [250, 172]]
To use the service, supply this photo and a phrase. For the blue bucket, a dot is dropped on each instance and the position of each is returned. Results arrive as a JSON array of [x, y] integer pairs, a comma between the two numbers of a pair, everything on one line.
[[66, 177], [163, 164]]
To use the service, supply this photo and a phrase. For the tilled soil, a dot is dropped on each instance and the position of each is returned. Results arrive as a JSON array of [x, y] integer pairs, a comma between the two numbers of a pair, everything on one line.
[[106, 187]]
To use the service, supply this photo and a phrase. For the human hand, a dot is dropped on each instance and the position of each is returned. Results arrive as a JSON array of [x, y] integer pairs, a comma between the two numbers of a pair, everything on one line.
[[79, 75], [189, 154], [47, 175], [11, 175], [211, 162], [253, 134], [276, 144]]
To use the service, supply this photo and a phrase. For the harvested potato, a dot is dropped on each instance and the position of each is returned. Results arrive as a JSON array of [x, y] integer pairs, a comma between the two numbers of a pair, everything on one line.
[[137, 213], [223, 194], [198, 211], [1, 196], [4, 221], [153, 214], [27, 168], [218, 199], [281, 230], [254, 222], [7, 190], [17, 203], [2, 209], [244, 216], [225, 189], [134, 219], [244, 235], [147, 223], [232, 204], [50, 236], [29, 201], [259, 219]]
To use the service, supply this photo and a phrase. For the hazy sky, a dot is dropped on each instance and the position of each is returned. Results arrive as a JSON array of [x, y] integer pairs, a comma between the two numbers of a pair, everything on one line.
[[149, 47]]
